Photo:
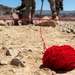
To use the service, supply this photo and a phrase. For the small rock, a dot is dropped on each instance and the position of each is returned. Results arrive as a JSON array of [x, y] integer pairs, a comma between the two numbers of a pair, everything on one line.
[[11, 52], [68, 31], [17, 62], [54, 73], [27, 49], [71, 30], [65, 29]]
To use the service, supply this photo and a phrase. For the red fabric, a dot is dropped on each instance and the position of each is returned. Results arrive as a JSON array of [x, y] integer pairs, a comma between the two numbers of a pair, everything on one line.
[[59, 58]]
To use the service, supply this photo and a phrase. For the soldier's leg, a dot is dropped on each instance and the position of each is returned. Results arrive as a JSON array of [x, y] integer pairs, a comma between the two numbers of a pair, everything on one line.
[[15, 15], [26, 15], [57, 9], [53, 8], [33, 10], [57, 6]]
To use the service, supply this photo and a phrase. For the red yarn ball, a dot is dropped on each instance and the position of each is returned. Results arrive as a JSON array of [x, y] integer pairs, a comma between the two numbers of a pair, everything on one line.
[[59, 58]]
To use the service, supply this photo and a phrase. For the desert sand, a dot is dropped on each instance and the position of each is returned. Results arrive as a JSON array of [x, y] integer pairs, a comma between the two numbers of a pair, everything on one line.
[[26, 39]]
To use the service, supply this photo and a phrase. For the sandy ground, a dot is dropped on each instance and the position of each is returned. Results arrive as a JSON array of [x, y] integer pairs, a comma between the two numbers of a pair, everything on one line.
[[27, 40]]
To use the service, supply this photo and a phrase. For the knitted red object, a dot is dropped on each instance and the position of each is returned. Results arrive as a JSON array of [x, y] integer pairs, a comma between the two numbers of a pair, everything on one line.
[[59, 58]]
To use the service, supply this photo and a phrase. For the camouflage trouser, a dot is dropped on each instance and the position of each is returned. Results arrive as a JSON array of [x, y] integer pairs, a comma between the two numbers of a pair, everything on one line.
[[55, 6], [30, 8]]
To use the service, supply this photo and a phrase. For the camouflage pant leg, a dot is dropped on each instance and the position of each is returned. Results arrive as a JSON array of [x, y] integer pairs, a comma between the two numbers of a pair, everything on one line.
[[27, 11], [26, 15], [30, 8], [33, 8], [53, 5], [57, 6]]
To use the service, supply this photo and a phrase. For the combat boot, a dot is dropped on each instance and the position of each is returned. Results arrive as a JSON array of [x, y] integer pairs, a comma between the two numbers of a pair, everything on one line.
[[54, 15]]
